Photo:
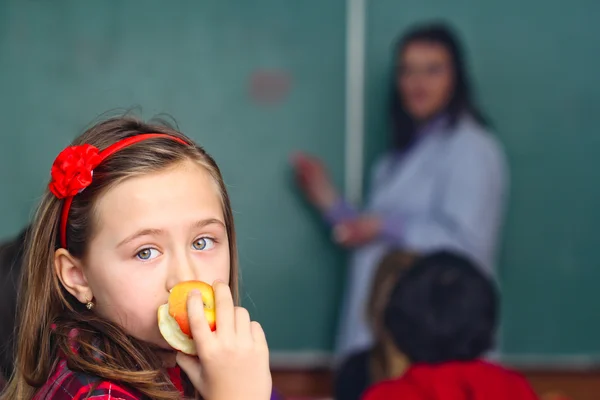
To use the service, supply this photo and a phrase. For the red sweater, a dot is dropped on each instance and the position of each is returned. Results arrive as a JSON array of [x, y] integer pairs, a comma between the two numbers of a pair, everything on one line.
[[473, 380]]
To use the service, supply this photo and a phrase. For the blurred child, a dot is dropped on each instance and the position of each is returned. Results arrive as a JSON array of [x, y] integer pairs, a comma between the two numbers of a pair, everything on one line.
[[443, 315], [382, 361]]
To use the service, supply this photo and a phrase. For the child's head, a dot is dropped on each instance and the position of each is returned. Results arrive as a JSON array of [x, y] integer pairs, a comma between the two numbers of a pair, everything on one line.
[[156, 213], [443, 309]]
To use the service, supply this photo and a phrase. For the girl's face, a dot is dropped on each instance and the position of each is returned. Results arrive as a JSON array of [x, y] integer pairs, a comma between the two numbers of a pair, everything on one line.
[[425, 79], [152, 232]]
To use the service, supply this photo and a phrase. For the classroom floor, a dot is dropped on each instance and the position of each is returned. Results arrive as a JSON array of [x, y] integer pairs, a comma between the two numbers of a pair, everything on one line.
[[317, 384]]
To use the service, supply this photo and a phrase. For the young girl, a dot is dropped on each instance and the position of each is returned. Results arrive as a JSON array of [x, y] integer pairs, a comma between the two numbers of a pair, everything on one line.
[[132, 209]]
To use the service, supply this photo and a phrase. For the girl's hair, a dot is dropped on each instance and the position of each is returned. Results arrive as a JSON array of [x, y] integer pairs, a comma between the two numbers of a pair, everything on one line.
[[391, 268], [443, 309], [403, 124], [393, 265], [48, 313]]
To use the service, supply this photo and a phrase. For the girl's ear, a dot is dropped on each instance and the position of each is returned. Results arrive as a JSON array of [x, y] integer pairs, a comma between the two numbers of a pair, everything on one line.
[[70, 272]]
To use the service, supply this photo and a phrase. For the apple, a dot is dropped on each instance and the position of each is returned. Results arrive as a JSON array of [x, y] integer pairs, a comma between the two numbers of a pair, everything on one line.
[[173, 321]]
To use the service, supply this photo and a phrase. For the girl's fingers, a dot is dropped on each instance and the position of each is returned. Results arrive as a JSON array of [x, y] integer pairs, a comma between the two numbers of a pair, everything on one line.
[[225, 313], [191, 367], [242, 324], [198, 323], [258, 334]]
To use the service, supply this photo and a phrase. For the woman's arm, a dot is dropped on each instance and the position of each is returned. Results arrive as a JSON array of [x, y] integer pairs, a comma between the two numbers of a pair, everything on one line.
[[342, 211], [466, 216]]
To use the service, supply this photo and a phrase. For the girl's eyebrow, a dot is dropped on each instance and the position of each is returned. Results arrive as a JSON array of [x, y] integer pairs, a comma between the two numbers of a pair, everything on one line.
[[140, 233], [209, 221], [157, 232]]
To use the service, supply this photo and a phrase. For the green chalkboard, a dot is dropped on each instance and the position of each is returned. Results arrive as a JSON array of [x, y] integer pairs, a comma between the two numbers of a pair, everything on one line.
[[536, 68], [62, 63]]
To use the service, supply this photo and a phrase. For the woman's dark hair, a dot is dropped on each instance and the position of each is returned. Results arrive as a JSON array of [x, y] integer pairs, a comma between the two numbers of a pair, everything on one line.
[[443, 309], [11, 257], [461, 101]]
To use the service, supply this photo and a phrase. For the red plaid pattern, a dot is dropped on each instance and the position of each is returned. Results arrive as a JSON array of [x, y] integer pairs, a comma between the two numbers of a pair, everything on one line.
[[65, 384]]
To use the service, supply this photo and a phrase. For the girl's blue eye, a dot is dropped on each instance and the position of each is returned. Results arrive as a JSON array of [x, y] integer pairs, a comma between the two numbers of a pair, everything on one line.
[[147, 254], [203, 244]]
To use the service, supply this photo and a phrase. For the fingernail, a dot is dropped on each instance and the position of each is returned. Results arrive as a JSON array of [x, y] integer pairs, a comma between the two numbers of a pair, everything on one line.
[[195, 292]]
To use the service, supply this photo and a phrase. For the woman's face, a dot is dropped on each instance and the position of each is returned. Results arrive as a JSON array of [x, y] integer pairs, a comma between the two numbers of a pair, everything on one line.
[[425, 79]]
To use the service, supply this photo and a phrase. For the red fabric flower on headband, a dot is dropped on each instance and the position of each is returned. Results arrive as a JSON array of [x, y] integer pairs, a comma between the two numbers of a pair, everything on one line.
[[72, 170]]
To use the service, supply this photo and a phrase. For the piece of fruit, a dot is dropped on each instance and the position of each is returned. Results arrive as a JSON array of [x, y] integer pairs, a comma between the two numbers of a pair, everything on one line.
[[173, 321]]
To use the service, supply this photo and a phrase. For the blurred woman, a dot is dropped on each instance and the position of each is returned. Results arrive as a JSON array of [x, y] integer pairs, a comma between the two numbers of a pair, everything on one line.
[[440, 186]]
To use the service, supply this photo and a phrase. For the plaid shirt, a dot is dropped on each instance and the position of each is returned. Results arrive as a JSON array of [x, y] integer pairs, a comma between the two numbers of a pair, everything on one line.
[[65, 384]]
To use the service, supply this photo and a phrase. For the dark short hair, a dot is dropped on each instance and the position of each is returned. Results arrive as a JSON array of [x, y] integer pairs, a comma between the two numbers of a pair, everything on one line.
[[443, 309], [461, 101]]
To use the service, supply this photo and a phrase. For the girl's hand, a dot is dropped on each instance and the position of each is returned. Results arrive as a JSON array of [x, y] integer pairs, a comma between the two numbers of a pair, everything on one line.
[[233, 361]]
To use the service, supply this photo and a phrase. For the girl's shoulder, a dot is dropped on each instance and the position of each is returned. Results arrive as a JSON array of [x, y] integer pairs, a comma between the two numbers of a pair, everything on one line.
[[65, 384]]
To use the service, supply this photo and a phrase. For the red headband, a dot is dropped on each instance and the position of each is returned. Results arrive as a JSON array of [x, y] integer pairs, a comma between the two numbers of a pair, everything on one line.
[[73, 170]]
